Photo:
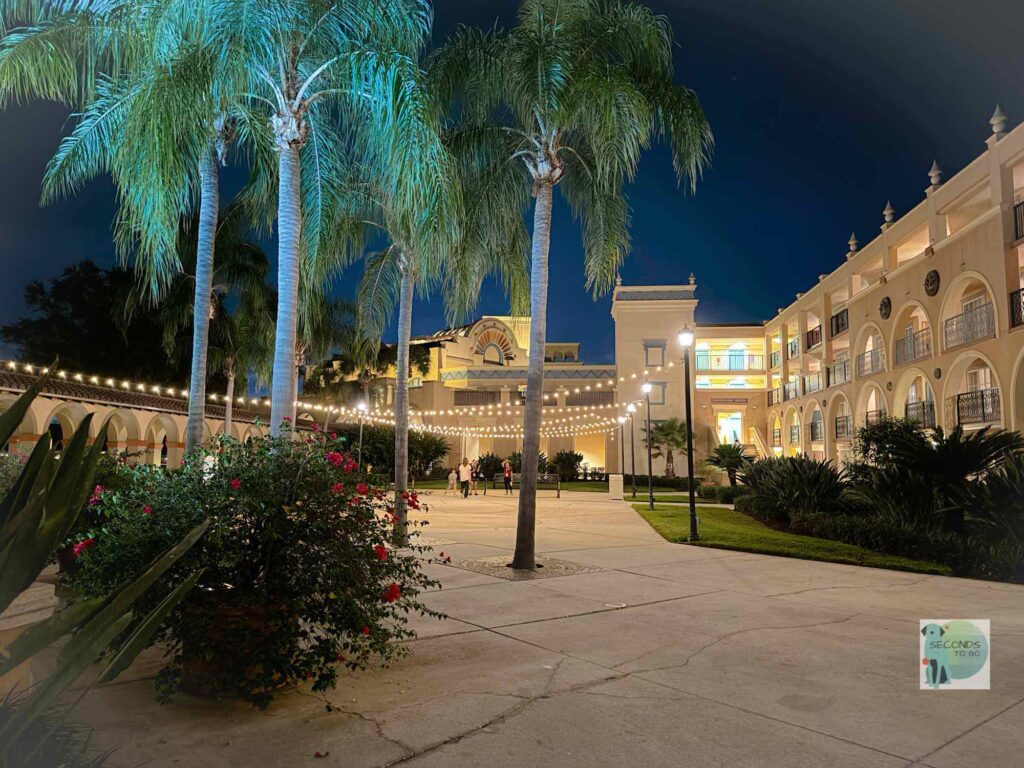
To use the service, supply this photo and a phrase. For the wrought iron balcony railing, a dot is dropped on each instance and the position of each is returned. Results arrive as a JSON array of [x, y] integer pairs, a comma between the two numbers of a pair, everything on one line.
[[817, 430], [839, 323], [1018, 220], [727, 361], [477, 397], [776, 437], [872, 361], [791, 390], [775, 396], [911, 348], [792, 349], [838, 373], [923, 413], [874, 417], [813, 337], [776, 358], [981, 406], [844, 427], [972, 325], [812, 382], [1017, 308], [794, 434]]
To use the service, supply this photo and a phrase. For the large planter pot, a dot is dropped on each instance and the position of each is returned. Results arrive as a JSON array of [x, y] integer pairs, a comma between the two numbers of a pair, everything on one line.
[[237, 640]]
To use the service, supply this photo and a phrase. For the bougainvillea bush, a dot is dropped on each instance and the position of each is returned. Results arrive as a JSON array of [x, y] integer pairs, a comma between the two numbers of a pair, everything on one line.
[[299, 577]]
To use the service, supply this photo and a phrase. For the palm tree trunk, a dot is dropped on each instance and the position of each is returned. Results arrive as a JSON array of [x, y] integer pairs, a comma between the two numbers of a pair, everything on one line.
[[209, 206], [402, 403], [526, 527], [283, 388], [229, 403]]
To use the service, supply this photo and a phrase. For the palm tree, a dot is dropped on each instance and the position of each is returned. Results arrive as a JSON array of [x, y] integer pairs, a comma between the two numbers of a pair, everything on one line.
[[335, 81], [157, 114], [580, 87], [666, 437], [729, 458]]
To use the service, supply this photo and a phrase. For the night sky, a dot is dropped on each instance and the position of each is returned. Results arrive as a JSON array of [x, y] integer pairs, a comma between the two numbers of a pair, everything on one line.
[[821, 111]]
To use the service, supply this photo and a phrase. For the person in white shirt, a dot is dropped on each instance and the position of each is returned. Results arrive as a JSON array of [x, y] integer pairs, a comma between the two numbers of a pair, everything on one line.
[[465, 476]]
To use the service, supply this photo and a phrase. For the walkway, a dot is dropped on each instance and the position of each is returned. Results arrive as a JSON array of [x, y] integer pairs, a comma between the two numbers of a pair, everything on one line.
[[655, 655]]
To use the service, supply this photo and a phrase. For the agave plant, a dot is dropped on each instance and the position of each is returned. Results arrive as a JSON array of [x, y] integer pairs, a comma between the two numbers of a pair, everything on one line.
[[36, 515]]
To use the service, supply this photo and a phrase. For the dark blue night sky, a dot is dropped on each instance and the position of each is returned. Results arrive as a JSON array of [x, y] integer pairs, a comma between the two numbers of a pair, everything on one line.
[[821, 111]]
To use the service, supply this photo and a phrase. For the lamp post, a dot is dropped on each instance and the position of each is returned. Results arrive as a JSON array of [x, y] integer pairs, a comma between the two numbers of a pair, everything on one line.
[[686, 342], [646, 388], [622, 443], [362, 407], [631, 409]]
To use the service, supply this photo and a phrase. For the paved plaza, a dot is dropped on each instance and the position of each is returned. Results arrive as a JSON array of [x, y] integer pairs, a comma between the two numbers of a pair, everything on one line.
[[631, 652]]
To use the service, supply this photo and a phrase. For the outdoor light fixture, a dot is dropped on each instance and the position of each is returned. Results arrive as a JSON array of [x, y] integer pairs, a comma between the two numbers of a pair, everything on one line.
[[646, 388], [630, 410], [686, 342], [361, 406], [650, 458]]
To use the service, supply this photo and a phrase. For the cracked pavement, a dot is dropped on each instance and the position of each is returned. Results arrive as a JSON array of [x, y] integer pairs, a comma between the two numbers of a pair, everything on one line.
[[669, 655]]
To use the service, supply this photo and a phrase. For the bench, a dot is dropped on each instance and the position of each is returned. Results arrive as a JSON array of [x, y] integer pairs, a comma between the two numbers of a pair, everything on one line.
[[545, 478]]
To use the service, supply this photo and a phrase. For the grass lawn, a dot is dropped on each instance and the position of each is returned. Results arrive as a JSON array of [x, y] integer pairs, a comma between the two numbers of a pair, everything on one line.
[[727, 529]]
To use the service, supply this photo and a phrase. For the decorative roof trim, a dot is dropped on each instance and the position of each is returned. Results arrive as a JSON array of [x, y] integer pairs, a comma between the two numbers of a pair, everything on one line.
[[682, 294]]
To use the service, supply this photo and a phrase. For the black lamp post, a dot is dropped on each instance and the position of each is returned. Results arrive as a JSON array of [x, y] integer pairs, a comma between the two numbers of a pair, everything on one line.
[[650, 459], [622, 443], [686, 342], [362, 406], [631, 409]]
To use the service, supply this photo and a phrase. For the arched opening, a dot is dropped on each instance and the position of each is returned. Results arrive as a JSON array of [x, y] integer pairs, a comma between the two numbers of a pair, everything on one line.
[[493, 355], [841, 423], [871, 406], [163, 448], [870, 350], [122, 435], [968, 312], [775, 436], [974, 397], [912, 335], [62, 423], [816, 432], [915, 400], [791, 432]]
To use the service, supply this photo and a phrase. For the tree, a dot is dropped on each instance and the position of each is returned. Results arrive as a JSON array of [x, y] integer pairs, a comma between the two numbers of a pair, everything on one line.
[[77, 319], [578, 89], [666, 437], [730, 459], [567, 465]]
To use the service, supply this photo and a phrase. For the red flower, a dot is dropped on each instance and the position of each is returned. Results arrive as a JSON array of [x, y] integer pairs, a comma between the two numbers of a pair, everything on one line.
[[316, 427], [442, 553], [334, 435], [381, 552], [286, 418], [340, 657], [365, 630], [236, 484], [83, 545], [335, 458], [337, 488], [391, 594], [147, 510], [362, 489]]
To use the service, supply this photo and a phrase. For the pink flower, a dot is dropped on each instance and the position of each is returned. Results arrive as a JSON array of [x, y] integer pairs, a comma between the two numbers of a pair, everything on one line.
[[335, 458], [147, 510], [391, 594], [362, 489], [83, 545], [381, 552], [338, 488], [97, 492], [287, 419], [334, 435], [236, 484]]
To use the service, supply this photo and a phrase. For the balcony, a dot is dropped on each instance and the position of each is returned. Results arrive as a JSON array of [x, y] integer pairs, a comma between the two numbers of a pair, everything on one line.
[[476, 397], [777, 438], [794, 434], [791, 390], [1018, 220], [872, 361], [729, 361], [816, 429], [776, 359], [792, 349], [1017, 308], [812, 382], [911, 348], [973, 325], [774, 396], [606, 397], [923, 413], [812, 338], [844, 427], [874, 417], [839, 323], [979, 407], [837, 374]]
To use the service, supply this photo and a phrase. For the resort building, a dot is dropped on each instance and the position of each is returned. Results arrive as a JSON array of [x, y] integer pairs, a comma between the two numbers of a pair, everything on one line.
[[925, 321]]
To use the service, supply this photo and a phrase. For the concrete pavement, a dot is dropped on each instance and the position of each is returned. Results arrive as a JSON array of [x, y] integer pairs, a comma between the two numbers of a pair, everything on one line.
[[653, 654]]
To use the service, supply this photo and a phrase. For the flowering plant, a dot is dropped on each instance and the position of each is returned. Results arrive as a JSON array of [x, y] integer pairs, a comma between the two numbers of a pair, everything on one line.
[[299, 578]]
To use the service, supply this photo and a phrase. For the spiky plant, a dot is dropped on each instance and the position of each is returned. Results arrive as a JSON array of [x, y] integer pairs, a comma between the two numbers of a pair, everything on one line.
[[730, 459]]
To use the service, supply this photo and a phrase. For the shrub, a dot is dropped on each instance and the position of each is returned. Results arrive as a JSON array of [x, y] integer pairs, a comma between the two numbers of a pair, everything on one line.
[[516, 460], [490, 465], [297, 573], [11, 465], [567, 465], [794, 486]]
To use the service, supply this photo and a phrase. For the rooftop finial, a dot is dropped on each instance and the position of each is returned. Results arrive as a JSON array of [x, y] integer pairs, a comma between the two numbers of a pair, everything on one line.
[[889, 213], [852, 242], [998, 123], [618, 278], [935, 174], [693, 280]]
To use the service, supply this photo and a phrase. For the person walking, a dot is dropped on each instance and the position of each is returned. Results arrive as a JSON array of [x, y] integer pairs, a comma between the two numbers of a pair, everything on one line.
[[453, 478], [475, 467], [506, 473], [465, 476]]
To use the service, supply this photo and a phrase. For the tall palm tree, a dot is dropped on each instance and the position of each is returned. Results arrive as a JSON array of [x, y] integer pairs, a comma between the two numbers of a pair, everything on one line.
[[333, 80], [581, 87], [730, 459]]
